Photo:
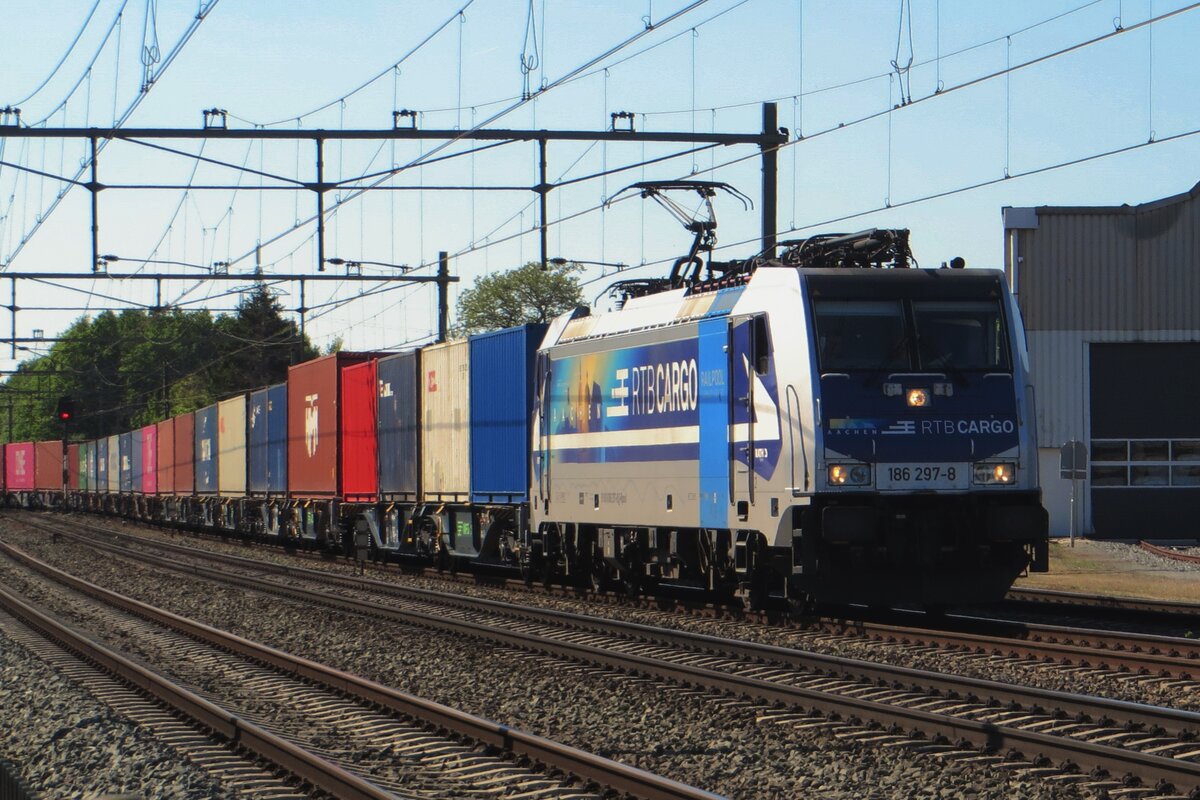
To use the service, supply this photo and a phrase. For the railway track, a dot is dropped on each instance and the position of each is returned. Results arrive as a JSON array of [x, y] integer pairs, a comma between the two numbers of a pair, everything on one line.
[[1167, 552], [420, 736], [1126, 652], [1165, 610], [1105, 737]]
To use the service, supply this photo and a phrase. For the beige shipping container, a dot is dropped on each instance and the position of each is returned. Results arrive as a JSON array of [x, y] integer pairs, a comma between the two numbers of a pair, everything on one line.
[[446, 421], [114, 464], [231, 446]]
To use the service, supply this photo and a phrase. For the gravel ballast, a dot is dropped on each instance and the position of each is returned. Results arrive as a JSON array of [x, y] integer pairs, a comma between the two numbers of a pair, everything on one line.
[[723, 746], [1142, 689], [66, 743]]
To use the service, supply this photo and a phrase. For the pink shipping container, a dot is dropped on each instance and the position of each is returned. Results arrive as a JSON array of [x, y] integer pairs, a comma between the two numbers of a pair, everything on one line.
[[150, 459], [48, 462], [18, 466], [164, 458]]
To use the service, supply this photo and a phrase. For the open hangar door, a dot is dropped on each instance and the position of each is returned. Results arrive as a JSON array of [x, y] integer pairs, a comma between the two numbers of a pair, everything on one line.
[[1145, 440]]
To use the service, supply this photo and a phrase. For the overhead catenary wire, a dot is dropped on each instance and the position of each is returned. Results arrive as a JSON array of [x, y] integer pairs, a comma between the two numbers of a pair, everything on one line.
[[205, 7], [66, 54], [370, 81]]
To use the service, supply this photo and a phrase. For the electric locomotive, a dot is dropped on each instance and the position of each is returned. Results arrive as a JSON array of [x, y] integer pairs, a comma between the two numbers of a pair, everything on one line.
[[832, 425]]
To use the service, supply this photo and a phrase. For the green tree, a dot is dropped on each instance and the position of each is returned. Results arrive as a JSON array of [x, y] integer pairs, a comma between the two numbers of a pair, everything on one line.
[[518, 296], [257, 344]]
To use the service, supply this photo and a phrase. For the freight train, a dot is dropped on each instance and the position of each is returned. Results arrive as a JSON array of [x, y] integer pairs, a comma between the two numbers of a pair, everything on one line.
[[830, 425]]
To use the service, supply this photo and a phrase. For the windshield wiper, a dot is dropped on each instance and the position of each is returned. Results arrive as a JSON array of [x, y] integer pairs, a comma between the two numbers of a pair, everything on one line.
[[953, 372]]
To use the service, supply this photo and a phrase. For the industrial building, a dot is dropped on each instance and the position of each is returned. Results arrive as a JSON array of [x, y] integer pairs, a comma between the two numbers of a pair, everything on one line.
[[1111, 302]]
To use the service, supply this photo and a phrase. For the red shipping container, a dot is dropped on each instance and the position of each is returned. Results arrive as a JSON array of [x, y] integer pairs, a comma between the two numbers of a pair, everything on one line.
[[3, 460], [360, 478], [73, 467], [48, 460], [18, 466], [314, 425], [149, 460], [185, 432], [164, 458]]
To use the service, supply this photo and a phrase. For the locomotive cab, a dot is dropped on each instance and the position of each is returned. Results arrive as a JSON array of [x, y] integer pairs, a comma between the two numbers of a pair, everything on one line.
[[926, 483]]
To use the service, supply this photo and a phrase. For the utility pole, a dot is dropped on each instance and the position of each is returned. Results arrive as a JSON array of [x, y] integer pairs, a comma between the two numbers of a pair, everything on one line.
[[770, 175], [443, 283]]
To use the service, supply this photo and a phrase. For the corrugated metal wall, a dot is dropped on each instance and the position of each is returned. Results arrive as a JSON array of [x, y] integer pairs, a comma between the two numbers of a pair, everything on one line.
[[501, 371], [399, 437], [231, 446], [445, 433], [1083, 275]]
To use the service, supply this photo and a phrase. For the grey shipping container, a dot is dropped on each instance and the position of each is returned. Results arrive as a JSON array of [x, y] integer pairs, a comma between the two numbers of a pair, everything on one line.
[[399, 432], [135, 461], [206, 450], [268, 440], [502, 375], [125, 460]]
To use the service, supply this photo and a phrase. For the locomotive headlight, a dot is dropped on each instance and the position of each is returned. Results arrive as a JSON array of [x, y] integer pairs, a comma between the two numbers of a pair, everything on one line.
[[918, 398], [993, 474], [849, 475]]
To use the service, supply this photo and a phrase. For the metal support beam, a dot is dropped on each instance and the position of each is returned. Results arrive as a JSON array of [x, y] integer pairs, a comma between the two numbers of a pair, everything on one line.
[[301, 310], [444, 280], [543, 189], [94, 188], [770, 176], [13, 308], [320, 190], [289, 134], [245, 277]]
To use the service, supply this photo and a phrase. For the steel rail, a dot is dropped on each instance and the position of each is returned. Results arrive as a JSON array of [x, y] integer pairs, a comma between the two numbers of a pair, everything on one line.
[[587, 766], [1043, 597], [1167, 552], [306, 766], [1185, 723], [1138, 653], [988, 736]]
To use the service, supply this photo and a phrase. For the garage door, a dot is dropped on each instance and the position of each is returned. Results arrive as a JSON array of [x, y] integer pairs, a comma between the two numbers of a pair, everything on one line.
[[1145, 447]]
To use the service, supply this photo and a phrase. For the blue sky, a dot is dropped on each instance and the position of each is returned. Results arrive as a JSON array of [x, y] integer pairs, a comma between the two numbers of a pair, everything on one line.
[[828, 63]]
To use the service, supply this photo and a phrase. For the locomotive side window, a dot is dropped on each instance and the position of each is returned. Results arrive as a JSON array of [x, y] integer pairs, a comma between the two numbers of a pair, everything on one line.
[[960, 335], [861, 334]]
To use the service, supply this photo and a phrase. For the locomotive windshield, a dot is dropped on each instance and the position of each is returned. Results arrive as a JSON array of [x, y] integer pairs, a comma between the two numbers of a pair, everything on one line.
[[962, 335], [892, 335], [866, 334]]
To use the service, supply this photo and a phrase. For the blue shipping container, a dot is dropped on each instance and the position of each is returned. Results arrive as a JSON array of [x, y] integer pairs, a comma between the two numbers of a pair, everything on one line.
[[399, 436], [101, 465], [256, 442], [502, 388], [125, 462], [268, 440], [206, 450], [135, 457]]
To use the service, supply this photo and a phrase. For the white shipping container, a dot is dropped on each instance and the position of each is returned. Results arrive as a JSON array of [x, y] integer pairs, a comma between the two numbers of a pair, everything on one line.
[[445, 428], [231, 446]]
